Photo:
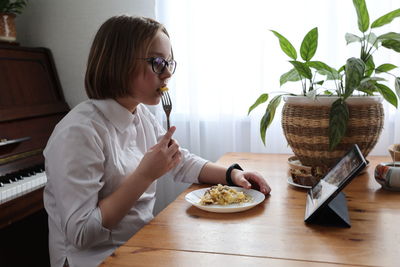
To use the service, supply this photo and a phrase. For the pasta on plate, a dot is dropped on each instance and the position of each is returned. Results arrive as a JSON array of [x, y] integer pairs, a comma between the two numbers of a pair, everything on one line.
[[224, 195]]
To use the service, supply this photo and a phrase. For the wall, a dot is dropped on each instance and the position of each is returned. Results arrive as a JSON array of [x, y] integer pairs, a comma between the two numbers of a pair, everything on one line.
[[67, 27]]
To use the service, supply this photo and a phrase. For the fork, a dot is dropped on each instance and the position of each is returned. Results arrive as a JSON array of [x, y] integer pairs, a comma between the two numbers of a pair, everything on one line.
[[167, 106]]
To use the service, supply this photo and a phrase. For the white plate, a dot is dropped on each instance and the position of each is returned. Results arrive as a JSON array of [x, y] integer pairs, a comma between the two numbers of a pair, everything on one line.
[[290, 181], [195, 196]]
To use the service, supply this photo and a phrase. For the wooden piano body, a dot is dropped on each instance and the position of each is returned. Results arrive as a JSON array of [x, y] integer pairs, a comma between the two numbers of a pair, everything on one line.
[[31, 104]]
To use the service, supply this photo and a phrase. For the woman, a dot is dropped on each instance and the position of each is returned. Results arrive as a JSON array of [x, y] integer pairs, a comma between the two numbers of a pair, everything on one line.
[[103, 159]]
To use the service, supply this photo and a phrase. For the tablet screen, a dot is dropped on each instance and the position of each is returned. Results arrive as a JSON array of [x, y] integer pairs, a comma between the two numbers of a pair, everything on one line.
[[335, 180]]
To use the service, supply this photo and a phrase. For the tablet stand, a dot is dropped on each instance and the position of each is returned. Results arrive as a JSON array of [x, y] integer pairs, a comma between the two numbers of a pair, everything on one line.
[[334, 214]]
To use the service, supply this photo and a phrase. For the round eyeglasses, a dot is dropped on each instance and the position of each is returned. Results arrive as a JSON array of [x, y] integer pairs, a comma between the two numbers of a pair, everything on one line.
[[158, 64]]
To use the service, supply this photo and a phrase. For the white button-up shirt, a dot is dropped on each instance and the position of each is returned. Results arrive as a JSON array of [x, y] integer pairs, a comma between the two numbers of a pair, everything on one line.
[[91, 151]]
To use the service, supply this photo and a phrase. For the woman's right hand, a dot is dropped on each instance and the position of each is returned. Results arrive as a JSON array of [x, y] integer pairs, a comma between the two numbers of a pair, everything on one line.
[[160, 158]]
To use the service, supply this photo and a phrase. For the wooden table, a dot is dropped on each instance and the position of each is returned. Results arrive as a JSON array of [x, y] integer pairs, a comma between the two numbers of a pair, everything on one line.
[[273, 233]]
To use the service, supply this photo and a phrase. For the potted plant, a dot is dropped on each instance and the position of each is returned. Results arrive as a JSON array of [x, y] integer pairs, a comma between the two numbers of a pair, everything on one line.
[[335, 121], [8, 11]]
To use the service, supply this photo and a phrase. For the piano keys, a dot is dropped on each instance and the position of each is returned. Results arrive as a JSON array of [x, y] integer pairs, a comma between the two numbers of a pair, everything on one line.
[[16, 184], [31, 104]]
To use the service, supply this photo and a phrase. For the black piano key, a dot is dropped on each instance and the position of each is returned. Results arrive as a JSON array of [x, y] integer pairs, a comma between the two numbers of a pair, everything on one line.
[[10, 178], [6, 179], [20, 174]]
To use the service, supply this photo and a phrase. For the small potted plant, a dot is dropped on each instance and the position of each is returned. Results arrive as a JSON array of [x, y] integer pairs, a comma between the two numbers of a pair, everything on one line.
[[322, 122], [8, 11]]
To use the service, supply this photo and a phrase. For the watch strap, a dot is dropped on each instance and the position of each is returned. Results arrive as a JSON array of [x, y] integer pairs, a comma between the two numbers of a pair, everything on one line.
[[229, 172]]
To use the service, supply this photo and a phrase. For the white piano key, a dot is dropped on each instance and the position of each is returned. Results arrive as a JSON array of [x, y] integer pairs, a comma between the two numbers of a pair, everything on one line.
[[22, 187]]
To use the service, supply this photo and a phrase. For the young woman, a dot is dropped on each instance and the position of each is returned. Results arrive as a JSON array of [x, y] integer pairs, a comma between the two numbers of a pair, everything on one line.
[[104, 157]]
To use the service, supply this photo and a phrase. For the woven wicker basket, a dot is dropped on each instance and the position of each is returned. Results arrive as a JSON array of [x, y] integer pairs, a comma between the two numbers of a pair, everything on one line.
[[305, 126]]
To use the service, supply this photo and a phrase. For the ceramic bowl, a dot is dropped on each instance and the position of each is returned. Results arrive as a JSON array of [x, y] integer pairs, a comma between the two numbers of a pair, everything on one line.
[[388, 175], [394, 151]]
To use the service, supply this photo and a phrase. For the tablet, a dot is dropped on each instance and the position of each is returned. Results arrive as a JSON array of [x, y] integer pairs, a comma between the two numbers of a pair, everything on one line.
[[322, 193]]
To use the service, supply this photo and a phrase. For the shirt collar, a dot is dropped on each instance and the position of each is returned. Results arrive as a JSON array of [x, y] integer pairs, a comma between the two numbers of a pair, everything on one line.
[[118, 115]]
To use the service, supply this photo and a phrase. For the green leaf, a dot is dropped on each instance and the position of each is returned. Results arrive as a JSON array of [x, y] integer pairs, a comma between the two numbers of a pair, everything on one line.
[[387, 94], [369, 66], [374, 79], [338, 118], [302, 69], [319, 65], [3, 5], [14, 7], [372, 39], [385, 19], [309, 45], [290, 76], [389, 36], [392, 44], [351, 38], [324, 69], [390, 40], [261, 99], [312, 94], [362, 15], [286, 46], [329, 75], [367, 87], [397, 86], [319, 82], [354, 73], [385, 68], [269, 115]]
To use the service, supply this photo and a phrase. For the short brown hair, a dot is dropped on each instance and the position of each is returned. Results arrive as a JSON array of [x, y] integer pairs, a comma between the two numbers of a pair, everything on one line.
[[118, 42]]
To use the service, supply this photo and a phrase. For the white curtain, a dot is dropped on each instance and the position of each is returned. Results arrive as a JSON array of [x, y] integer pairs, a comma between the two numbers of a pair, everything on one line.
[[227, 57]]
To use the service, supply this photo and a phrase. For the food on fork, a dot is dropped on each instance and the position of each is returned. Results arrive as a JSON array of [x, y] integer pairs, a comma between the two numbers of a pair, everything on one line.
[[163, 89], [223, 195]]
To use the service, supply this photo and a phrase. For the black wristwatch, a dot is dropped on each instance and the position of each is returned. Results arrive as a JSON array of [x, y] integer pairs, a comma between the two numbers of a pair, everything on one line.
[[229, 171]]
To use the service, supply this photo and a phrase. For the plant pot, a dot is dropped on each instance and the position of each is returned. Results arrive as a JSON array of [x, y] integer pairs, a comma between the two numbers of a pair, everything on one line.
[[305, 123], [7, 27]]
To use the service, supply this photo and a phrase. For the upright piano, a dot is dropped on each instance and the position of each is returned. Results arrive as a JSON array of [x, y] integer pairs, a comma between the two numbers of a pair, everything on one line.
[[31, 104]]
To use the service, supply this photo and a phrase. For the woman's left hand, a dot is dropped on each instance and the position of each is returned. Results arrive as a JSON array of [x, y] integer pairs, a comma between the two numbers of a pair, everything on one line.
[[249, 180]]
